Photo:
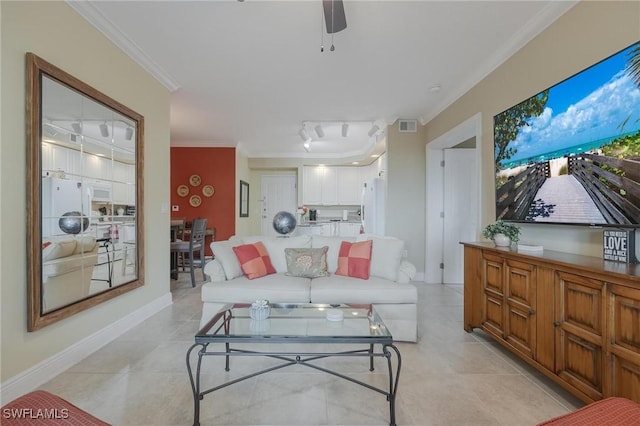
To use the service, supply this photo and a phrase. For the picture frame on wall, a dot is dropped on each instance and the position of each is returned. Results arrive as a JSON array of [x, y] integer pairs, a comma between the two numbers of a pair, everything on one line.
[[244, 199]]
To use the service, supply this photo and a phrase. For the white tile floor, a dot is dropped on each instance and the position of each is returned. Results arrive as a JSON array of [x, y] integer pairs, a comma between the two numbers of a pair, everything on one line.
[[449, 377]]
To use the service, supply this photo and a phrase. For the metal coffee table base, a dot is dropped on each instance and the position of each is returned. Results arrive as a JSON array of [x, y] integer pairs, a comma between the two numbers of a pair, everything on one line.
[[296, 358]]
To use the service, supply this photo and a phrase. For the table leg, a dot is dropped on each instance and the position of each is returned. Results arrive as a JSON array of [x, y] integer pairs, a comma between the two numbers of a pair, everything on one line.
[[195, 383], [393, 383]]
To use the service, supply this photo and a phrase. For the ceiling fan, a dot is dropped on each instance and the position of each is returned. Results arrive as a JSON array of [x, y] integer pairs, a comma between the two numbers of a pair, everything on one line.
[[334, 16]]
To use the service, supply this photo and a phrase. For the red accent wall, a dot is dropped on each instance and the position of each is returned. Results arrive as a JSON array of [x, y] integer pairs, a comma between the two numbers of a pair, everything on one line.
[[217, 167]]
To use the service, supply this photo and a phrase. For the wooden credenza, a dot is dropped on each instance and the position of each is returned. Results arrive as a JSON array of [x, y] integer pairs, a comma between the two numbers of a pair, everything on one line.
[[575, 318]]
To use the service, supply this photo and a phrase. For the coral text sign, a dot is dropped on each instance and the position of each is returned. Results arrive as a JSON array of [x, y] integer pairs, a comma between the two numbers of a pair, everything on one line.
[[619, 245]]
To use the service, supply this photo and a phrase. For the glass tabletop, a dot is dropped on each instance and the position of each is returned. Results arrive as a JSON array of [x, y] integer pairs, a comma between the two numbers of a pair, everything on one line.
[[298, 322]]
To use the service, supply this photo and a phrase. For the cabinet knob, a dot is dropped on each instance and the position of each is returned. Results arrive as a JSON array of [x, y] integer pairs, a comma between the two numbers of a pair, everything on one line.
[[532, 312], [556, 323]]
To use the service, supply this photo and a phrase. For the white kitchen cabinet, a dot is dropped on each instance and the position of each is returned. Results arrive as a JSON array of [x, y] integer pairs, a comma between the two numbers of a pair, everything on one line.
[[312, 185], [330, 186], [320, 186], [349, 186]]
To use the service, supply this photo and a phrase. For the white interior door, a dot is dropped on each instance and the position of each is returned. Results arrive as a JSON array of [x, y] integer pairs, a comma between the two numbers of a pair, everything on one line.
[[460, 201], [278, 194]]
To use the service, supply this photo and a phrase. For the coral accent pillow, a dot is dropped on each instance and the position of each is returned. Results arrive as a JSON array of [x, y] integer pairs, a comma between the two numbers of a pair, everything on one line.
[[254, 260], [354, 259]]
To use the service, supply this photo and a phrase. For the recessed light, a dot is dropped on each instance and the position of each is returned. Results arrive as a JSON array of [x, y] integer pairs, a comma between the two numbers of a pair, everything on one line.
[[435, 88], [355, 162]]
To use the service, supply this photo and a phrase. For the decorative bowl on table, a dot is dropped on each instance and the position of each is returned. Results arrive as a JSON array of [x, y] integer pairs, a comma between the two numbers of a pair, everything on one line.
[[260, 310]]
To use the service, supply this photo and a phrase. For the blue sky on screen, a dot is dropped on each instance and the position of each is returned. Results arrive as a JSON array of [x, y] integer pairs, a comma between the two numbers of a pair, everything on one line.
[[584, 108]]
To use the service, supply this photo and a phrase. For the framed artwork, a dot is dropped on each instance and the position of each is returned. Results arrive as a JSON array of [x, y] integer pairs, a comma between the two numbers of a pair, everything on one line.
[[244, 199]]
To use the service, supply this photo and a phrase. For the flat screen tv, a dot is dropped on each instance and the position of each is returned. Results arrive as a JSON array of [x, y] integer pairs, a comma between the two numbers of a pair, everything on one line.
[[571, 153]]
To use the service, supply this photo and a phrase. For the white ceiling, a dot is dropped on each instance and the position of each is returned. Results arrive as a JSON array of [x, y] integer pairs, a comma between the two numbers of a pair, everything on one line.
[[251, 73]]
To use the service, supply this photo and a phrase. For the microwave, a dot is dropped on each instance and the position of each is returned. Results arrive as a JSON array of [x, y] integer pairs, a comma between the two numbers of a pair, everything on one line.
[[100, 192]]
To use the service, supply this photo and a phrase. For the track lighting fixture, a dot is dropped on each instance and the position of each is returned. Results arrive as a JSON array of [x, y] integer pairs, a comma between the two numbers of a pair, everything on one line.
[[104, 130], [319, 131], [307, 145], [345, 130], [76, 127], [303, 134], [374, 129]]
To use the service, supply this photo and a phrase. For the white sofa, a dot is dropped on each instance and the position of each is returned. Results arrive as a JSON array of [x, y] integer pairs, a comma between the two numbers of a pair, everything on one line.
[[388, 289], [67, 267]]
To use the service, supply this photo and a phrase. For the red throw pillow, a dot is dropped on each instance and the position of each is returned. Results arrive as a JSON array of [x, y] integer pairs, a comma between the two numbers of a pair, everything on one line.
[[354, 259], [254, 260]]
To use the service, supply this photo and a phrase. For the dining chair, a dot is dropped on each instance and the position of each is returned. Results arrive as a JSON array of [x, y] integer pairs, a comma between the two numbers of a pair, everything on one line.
[[192, 251]]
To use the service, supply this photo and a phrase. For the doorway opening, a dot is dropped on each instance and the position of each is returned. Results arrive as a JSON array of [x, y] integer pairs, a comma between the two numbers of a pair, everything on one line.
[[448, 224]]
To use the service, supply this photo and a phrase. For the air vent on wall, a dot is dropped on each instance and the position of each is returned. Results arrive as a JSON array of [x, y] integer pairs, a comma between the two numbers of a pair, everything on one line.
[[408, 126]]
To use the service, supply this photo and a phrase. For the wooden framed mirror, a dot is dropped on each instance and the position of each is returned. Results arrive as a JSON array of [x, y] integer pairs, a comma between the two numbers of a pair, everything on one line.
[[85, 215]]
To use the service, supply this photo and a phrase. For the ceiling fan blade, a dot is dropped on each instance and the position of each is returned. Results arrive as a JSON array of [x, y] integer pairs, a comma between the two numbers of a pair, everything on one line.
[[334, 15]]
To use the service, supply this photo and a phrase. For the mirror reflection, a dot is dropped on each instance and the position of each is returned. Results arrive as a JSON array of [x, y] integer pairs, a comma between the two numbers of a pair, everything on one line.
[[85, 174]]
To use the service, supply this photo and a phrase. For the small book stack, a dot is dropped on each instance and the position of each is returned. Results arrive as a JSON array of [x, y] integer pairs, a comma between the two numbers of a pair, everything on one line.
[[530, 248]]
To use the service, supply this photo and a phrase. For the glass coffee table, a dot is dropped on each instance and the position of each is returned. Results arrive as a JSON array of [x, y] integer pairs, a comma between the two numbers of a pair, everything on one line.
[[302, 324]]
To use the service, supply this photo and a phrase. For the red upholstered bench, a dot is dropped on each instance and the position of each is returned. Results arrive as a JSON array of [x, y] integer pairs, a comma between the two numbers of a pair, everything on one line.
[[41, 408], [612, 411]]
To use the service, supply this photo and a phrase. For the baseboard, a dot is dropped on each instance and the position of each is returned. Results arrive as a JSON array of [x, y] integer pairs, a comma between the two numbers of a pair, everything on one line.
[[46, 370]]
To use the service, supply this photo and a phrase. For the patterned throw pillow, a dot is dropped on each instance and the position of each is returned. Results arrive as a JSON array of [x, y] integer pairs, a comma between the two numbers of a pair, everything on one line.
[[354, 259], [307, 262], [254, 260]]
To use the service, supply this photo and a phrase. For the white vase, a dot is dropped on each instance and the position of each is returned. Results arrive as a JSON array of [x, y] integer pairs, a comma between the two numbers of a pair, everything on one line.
[[501, 240]]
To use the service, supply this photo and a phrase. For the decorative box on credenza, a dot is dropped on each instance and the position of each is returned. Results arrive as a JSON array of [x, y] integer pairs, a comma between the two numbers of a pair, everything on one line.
[[619, 245]]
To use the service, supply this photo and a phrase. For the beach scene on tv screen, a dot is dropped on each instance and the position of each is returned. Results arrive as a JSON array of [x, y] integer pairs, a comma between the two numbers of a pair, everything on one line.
[[571, 154]]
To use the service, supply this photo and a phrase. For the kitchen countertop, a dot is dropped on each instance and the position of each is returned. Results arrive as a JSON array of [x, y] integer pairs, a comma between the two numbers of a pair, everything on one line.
[[325, 221]]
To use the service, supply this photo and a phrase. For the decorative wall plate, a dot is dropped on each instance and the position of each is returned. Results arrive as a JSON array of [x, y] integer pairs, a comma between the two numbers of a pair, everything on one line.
[[195, 180], [183, 190], [208, 190], [195, 201]]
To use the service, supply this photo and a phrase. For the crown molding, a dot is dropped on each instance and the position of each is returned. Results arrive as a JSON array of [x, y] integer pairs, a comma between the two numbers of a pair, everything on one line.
[[93, 15], [537, 24]]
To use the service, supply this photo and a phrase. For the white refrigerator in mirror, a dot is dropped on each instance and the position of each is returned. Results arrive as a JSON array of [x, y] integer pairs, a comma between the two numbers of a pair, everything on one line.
[[60, 196], [372, 211]]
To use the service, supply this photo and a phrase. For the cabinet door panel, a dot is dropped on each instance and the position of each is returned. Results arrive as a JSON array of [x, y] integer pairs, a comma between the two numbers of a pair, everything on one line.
[[624, 331], [582, 303], [520, 298], [494, 315], [330, 186], [626, 378], [312, 185], [349, 188], [625, 326], [580, 343], [580, 365], [493, 275]]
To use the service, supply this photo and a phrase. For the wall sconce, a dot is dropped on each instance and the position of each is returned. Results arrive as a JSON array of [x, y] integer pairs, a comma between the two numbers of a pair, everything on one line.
[[345, 130], [104, 130], [374, 129], [319, 131]]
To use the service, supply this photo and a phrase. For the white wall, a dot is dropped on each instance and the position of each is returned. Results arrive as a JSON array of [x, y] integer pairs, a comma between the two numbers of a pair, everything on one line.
[[586, 34], [53, 31], [406, 191]]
